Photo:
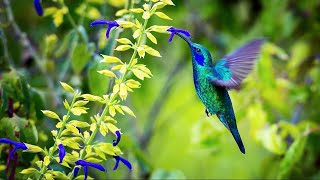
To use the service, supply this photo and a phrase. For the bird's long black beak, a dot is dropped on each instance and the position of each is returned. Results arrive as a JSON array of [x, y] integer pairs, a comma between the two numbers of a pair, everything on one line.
[[187, 39]]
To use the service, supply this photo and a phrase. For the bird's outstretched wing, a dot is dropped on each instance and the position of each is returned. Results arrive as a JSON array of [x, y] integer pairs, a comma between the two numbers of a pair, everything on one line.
[[234, 67]]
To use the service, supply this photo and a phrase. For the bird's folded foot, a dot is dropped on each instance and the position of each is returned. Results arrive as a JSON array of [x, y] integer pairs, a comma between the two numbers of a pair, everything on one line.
[[208, 113]]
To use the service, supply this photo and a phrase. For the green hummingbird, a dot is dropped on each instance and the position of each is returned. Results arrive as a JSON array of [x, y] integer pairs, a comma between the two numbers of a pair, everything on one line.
[[212, 82]]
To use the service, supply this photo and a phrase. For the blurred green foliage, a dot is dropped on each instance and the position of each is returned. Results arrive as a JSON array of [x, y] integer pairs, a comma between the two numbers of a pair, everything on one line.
[[276, 109]]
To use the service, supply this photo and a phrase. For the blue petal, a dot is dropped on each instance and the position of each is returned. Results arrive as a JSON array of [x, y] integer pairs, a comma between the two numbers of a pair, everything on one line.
[[116, 142], [171, 37], [62, 152], [8, 141], [117, 164], [85, 170], [37, 6], [79, 129], [111, 24], [84, 163], [76, 171], [12, 152], [97, 166], [176, 30], [17, 145], [104, 22], [124, 161]]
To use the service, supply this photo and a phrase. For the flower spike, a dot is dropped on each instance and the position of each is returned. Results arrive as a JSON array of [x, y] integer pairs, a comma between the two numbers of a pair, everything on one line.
[[37, 6], [85, 165], [116, 142], [17, 145], [110, 24], [124, 161], [178, 31], [62, 152]]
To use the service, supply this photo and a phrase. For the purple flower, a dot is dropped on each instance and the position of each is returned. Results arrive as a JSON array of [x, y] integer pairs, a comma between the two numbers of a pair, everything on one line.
[[85, 165], [124, 161], [110, 24], [62, 152], [75, 172], [115, 142], [178, 32], [17, 145], [37, 6]]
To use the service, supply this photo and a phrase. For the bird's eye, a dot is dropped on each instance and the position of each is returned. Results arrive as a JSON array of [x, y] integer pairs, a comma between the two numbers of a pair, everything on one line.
[[198, 50]]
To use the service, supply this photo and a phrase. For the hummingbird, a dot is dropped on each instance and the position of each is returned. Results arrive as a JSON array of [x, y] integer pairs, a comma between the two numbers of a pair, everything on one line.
[[212, 81]]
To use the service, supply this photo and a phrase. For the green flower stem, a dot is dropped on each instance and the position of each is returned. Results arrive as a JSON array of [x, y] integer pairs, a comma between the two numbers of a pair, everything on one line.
[[54, 147], [72, 21], [116, 95], [74, 43]]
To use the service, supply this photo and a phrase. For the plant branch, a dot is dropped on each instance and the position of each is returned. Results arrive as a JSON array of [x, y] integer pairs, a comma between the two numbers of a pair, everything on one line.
[[54, 147], [114, 96]]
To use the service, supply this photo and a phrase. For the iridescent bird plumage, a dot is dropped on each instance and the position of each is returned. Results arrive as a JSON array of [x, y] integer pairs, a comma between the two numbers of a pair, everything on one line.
[[212, 82]]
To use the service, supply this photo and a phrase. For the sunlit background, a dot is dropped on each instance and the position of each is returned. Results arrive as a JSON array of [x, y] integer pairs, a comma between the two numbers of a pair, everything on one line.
[[277, 107]]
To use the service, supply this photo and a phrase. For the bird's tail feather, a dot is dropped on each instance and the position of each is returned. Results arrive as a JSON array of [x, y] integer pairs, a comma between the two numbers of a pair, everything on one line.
[[232, 126], [236, 136]]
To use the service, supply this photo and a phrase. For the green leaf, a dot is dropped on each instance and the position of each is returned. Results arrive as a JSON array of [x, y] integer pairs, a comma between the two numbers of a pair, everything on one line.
[[151, 37], [103, 129], [38, 105], [100, 153], [293, 156], [124, 41], [70, 143], [28, 171], [151, 51], [272, 140], [79, 124], [8, 127], [80, 57], [81, 177], [162, 15], [128, 110], [46, 160], [91, 97], [83, 32], [66, 43], [59, 175], [98, 84], [107, 73], [123, 47], [33, 148], [50, 114], [80, 103], [67, 87], [78, 111], [94, 160], [29, 134], [109, 149]]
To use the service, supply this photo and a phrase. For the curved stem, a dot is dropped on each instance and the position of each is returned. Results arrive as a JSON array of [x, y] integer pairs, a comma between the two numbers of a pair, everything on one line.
[[54, 147], [72, 21], [116, 95]]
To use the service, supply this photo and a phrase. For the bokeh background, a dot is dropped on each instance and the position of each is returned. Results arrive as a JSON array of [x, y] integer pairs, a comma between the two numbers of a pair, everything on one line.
[[277, 107]]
